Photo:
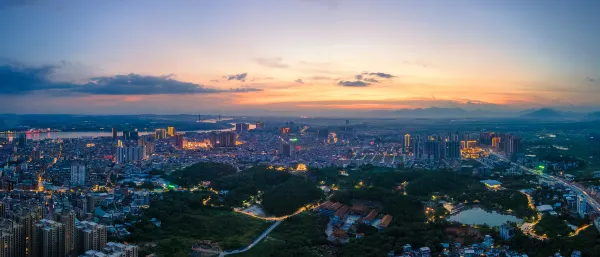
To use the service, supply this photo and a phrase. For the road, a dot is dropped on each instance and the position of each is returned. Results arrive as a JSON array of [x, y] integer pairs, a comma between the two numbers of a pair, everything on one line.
[[590, 200], [256, 241]]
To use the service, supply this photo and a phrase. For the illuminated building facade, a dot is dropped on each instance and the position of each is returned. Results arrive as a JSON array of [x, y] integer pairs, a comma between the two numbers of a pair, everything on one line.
[[171, 131], [285, 130], [260, 125], [407, 143], [160, 133], [223, 139]]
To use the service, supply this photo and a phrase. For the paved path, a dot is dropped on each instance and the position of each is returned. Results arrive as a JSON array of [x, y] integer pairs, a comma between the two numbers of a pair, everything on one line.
[[256, 241]]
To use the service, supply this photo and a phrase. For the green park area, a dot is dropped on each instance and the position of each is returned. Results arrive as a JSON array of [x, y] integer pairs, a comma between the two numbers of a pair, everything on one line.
[[188, 217], [185, 220], [301, 235]]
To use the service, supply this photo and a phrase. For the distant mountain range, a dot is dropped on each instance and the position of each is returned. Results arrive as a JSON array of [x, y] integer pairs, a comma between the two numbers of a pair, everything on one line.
[[439, 112], [542, 113]]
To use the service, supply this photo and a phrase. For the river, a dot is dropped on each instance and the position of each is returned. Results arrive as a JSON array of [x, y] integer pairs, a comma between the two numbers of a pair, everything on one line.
[[89, 134]]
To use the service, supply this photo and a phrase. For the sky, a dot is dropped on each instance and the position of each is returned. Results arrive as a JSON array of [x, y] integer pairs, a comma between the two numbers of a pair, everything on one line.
[[297, 57]]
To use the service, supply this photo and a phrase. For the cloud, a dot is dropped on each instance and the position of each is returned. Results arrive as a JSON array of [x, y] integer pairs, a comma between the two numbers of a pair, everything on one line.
[[241, 76], [365, 79], [18, 79], [590, 80], [299, 81], [381, 75], [135, 84], [356, 83], [271, 62]]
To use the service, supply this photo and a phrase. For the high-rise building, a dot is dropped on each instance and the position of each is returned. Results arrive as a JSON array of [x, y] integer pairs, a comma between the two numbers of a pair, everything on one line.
[[241, 127], [21, 140], [485, 138], [286, 149], [148, 144], [11, 237], [27, 217], [171, 131], [49, 239], [227, 139], [2, 209], [214, 139], [160, 133], [91, 203], [407, 143], [453, 150], [90, 236], [114, 133], [133, 135], [581, 206], [130, 153], [512, 146], [260, 125], [77, 174], [179, 141], [126, 135], [67, 218], [496, 142], [322, 133], [455, 137], [347, 122]]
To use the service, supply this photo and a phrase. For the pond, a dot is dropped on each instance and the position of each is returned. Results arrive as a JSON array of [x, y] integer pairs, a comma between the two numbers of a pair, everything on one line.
[[478, 216]]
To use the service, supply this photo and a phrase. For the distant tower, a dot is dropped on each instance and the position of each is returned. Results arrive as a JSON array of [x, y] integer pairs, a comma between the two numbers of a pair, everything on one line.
[[407, 143]]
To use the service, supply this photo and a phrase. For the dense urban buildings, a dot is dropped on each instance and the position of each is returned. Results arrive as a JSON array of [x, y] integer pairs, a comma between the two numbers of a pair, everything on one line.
[[65, 197]]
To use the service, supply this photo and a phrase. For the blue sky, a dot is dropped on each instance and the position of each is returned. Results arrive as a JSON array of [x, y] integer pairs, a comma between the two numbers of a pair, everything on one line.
[[298, 55]]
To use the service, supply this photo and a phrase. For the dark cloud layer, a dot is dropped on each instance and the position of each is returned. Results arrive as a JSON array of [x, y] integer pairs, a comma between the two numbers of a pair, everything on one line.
[[134, 84], [20, 79], [241, 76], [299, 81], [356, 83]]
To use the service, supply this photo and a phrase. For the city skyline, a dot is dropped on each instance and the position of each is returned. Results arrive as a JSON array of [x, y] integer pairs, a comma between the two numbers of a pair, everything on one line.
[[297, 57]]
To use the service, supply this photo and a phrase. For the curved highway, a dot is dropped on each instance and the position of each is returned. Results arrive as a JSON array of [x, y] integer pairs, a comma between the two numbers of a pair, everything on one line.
[[590, 200]]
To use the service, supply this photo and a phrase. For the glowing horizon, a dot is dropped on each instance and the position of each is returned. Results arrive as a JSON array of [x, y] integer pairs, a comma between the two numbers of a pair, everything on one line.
[[296, 57]]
